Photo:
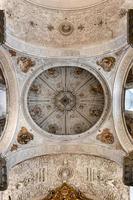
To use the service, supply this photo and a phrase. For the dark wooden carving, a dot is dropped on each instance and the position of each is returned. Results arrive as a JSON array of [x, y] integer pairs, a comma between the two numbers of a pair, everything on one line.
[[128, 170], [2, 27], [3, 174], [130, 27]]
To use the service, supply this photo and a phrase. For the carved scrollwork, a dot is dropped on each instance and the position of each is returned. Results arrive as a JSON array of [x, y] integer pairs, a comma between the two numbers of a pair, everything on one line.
[[65, 192]]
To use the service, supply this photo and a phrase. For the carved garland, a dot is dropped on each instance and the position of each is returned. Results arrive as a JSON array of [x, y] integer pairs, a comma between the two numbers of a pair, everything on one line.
[[65, 192]]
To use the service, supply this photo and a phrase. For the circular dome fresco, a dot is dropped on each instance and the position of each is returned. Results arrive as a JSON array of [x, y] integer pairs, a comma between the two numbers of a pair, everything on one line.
[[65, 100]]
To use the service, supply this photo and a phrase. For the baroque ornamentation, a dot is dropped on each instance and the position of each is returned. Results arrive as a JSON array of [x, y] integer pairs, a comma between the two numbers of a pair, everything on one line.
[[107, 63], [65, 192], [66, 28], [66, 95], [95, 176], [106, 137], [86, 24], [24, 136], [25, 63]]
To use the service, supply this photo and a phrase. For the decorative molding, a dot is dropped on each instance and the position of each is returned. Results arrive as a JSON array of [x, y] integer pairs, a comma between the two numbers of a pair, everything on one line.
[[96, 177], [65, 63], [96, 30], [13, 106], [118, 98], [87, 51], [57, 5]]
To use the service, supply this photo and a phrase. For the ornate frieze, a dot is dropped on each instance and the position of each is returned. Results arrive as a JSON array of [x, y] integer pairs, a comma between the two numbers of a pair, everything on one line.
[[84, 27], [96, 177], [65, 192]]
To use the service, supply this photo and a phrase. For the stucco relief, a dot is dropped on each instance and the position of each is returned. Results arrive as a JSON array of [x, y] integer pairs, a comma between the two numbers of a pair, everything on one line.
[[24, 136], [107, 63], [89, 26], [66, 100], [25, 63], [95, 177]]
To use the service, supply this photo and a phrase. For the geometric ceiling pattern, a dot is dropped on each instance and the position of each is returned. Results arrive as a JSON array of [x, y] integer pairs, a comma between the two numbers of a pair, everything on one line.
[[65, 100]]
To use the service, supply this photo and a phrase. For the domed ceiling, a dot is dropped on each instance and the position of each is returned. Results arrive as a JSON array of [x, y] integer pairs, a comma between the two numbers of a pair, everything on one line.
[[37, 23], [66, 100]]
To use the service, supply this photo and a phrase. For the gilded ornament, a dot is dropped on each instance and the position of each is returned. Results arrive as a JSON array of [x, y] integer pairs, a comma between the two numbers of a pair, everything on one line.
[[65, 192]]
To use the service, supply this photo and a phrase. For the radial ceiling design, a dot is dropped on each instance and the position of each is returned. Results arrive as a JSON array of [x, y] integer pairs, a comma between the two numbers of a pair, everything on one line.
[[66, 100]]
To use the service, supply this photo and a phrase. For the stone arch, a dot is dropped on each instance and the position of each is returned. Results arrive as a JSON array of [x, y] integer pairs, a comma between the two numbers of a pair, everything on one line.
[[13, 106], [118, 94]]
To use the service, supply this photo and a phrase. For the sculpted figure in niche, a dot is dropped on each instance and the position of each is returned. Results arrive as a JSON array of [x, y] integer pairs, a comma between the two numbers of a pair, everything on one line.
[[65, 192]]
